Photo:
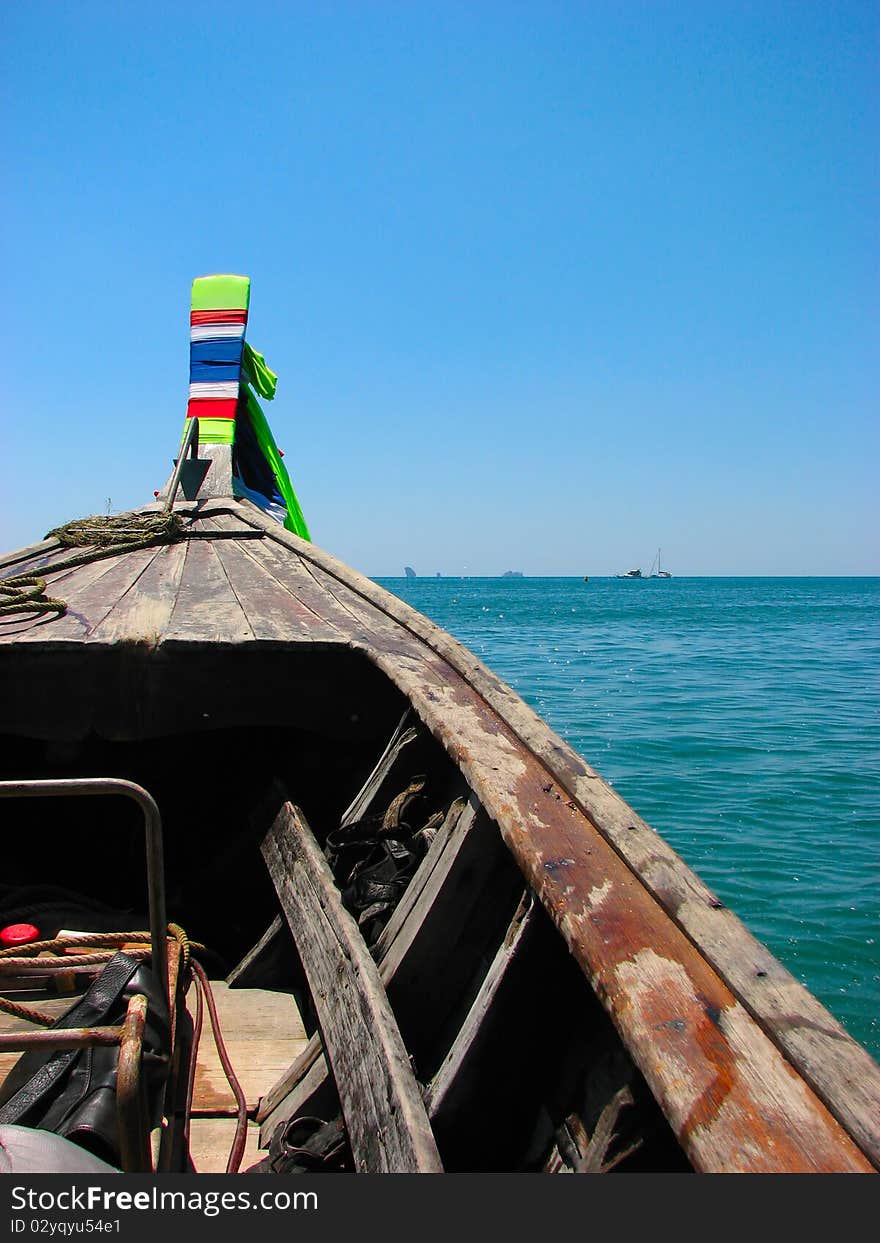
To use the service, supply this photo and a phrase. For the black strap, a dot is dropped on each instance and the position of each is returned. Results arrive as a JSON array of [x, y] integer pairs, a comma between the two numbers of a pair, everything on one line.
[[24, 1086]]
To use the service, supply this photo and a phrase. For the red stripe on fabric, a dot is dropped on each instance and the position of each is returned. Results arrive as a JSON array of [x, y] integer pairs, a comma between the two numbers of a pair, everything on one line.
[[218, 317], [212, 407]]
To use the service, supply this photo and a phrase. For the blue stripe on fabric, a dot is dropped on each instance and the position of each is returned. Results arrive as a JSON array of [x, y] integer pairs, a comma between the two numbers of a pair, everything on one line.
[[216, 350], [214, 373]]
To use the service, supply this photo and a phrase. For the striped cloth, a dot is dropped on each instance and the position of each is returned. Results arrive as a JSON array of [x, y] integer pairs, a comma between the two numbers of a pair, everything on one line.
[[218, 318]]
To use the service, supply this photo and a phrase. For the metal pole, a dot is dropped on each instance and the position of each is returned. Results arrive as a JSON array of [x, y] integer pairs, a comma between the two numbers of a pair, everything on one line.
[[191, 435], [79, 786]]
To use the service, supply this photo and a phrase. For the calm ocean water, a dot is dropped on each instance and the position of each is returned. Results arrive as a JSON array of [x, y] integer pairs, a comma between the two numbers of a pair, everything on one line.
[[739, 716]]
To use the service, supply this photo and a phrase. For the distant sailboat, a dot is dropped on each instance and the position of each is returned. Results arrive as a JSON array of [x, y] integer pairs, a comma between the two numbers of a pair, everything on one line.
[[656, 572]]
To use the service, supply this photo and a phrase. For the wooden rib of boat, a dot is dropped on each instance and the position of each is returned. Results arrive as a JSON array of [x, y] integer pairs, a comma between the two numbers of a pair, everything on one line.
[[496, 963]]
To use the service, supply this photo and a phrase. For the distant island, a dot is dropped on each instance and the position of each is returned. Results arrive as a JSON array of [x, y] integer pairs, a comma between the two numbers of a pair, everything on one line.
[[409, 571], [512, 574]]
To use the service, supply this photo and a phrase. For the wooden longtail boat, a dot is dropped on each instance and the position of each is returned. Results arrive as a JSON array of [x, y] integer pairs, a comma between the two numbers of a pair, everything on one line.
[[432, 936]]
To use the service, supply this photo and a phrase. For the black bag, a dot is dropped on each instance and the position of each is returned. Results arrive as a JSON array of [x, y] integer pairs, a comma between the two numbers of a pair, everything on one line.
[[73, 1092]]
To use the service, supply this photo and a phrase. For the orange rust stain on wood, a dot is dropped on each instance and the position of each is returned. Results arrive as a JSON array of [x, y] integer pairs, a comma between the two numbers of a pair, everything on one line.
[[717, 1053]]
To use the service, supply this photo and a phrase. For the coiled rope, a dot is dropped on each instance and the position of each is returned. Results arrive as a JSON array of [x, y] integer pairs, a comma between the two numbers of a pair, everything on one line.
[[99, 536], [38, 954]]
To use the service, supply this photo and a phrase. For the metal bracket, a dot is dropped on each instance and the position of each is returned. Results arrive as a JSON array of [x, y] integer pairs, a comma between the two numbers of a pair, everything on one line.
[[189, 472]]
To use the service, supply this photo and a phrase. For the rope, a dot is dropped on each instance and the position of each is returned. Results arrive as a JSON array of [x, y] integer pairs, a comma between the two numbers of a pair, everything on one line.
[[11, 966], [19, 958], [25, 957], [185, 945], [100, 536], [80, 938], [239, 1140], [28, 1013]]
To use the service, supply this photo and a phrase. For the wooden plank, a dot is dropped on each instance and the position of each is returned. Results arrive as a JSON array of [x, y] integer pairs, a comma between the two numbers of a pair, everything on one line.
[[142, 614], [836, 1067], [566, 859], [409, 915], [210, 1141], [454, 1066], [385, 1118], [840, 1072], [657, 987], [90, 591], [206, 608], [292, 577], [403, 735], [311, 1092], [22, 561], [292, 1080], [428, 956], [238, 976], [272, 612], [14, 625], [289, 1096], [262, 1031]]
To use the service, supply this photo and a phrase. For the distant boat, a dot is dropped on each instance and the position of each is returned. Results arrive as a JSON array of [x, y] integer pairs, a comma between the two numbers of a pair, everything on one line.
[[656, 572], [409, 571], [512, 574], [631, 574]]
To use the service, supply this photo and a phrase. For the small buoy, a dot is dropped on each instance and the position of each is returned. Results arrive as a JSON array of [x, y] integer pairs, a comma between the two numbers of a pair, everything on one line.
[[19, 934]]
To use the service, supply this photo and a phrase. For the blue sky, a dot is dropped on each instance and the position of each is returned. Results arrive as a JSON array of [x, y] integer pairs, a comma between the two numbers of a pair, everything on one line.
[[547, 285]]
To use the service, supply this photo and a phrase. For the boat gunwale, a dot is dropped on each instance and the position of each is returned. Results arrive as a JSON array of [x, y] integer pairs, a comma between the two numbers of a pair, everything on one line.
[[830, 1062]]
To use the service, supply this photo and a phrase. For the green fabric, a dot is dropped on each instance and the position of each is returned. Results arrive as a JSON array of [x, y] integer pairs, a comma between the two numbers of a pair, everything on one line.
[[214, 431], [221, 293], [294, 521], [263, 378]]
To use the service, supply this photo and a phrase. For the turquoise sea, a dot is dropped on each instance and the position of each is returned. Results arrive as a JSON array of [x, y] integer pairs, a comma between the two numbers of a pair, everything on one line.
[[739, 716]]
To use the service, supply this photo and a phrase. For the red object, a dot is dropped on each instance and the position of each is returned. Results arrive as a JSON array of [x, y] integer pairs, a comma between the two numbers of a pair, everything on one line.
[[19, 934], [218, 317], [155, 493], [212, 407], [281, 453]]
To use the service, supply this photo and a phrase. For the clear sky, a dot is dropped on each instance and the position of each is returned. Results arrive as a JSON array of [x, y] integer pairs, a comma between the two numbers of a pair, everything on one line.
[[547, 284]]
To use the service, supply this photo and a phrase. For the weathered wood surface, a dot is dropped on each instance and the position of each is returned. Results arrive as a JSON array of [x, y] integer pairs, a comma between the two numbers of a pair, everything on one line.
[[210, 1141], [403, 735], [511, 769], [304, 1080], [142, 614], [21, 561], [207, 607], [385, 1118], [454, 1066], [456, 826], [91, 591], [240, 974], [272, 611], [307, 1077], [262, 1031], [836, 1068]]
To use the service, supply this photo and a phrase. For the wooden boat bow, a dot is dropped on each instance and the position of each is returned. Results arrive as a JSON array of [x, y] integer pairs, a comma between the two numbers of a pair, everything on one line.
[[750, 1072]]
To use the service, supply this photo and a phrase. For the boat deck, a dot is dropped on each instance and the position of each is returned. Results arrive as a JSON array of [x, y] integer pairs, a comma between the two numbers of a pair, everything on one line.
[[751, 1070], [263, 1034]]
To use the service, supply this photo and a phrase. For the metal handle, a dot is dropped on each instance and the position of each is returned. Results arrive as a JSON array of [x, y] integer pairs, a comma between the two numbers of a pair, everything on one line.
[[71, 787]]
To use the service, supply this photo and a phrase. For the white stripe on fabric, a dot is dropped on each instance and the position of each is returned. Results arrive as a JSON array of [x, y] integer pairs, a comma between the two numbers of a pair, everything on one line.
[[205, 388], [213, 332]]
